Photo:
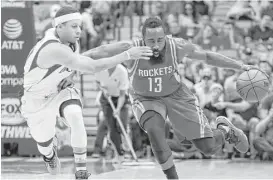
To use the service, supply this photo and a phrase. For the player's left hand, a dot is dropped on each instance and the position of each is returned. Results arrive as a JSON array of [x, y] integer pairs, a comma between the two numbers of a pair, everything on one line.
[[250, 67], [67, 82], [220, 105]]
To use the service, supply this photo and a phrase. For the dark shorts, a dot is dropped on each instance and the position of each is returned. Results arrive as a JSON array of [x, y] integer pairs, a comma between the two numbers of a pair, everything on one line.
[[181, 108]]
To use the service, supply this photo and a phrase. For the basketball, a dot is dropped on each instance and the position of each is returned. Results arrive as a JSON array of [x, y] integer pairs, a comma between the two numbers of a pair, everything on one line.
[[252, 85]]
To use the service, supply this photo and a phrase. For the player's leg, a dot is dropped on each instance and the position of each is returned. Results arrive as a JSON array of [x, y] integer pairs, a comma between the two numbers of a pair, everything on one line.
[[153, 123], [70, 108], [42, 128], [188, 120]]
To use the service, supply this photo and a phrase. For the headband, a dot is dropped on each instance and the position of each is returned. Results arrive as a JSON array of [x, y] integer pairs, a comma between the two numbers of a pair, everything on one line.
[[67, 17]]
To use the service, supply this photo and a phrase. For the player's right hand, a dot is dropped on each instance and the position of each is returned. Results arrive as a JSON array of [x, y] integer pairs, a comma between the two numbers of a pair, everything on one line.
[[143, 52]]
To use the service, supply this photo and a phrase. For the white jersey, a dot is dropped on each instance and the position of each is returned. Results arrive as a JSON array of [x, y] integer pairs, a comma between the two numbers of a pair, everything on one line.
[[40, 81]]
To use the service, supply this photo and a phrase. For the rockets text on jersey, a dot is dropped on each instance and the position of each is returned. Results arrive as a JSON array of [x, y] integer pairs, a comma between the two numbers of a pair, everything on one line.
[[156, 79]]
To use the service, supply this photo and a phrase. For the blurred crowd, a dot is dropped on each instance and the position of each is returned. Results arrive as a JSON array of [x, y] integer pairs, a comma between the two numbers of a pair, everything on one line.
[[245, 33]]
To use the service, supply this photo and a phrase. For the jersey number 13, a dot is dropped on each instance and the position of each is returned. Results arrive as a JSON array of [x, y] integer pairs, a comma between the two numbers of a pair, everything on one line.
[[155, 84]]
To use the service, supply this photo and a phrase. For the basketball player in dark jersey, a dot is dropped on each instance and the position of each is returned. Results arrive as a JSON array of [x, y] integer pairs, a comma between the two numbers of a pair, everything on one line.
[[157, 94]]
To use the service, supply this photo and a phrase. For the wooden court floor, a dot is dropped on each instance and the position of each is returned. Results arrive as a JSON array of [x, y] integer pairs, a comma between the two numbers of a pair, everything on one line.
[[33, 168]]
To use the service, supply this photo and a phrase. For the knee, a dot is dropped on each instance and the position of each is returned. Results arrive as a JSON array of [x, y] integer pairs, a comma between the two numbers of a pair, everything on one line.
[[207, 150], [72, 112], [252, 124], [152, 121], [73, 115]]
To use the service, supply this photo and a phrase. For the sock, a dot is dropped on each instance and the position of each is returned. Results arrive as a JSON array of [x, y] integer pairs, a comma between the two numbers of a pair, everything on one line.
[[171, 173], [168, 168], [80, 158], [46, 151]]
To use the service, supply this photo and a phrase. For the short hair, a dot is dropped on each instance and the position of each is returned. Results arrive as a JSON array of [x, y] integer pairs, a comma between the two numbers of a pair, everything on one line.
[[152, 22], [66, 10]]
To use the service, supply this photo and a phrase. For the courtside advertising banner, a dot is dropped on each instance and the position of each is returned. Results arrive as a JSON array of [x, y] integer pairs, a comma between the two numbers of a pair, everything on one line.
[[17, 39]]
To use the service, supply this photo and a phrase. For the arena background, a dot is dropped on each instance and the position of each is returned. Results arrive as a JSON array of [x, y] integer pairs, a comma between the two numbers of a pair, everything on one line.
[[22, 26]]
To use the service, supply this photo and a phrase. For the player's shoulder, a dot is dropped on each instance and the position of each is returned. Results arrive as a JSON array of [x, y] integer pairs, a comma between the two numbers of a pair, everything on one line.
[[183, 42], [121, 69], [176, 40], [138, 42], [56, 48]]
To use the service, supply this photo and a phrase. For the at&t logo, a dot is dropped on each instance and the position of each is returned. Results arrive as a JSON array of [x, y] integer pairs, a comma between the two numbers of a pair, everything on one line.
[[12, 29]]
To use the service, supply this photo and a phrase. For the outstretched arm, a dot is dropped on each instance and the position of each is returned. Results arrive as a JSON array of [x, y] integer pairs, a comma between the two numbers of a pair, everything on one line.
[[108, 50], [211, 58], [56, 53]]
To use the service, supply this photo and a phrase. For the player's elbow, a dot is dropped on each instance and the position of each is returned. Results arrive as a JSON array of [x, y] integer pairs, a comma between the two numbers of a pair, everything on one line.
[[97, 66]]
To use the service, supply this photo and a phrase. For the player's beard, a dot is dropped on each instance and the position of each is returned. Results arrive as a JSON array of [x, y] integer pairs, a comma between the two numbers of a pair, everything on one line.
[[158, 59]]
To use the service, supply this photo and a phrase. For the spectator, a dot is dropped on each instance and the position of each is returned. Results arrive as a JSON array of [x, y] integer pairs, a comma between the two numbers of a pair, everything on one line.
[[53, 10], [216, 94], [189, 20], [262, 31], [201, 7], [268, 10], [229, 37], [207, 39], [263, 142], [114, 83], [88, 31], [175, 30], [266, 67], [231, 94], [241, 10], [202, 88]]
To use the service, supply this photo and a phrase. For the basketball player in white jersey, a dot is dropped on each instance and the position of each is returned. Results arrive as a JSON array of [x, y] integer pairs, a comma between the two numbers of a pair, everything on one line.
[[51, 60]]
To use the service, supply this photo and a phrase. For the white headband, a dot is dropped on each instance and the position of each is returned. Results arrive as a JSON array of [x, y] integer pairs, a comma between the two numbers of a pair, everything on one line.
[[67, 17]]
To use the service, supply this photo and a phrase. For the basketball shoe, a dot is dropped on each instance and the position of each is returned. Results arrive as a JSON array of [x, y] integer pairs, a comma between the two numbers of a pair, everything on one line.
[[234, 135], [82, 174], [53, 164]]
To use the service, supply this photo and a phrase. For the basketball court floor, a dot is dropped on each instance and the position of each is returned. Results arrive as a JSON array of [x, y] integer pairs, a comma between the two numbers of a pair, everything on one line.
[[33, 168]]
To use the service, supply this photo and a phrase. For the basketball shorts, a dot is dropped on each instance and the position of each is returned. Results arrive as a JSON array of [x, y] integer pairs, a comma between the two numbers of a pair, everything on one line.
[[181, 108], [41, 113]]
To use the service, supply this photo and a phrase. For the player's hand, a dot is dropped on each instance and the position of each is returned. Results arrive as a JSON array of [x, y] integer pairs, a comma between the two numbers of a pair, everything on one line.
[[67, 82], [143, 52], [250, 67], [220, 105]]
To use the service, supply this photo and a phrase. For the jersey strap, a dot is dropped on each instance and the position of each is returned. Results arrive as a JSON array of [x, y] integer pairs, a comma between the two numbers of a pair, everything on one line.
[[34, 62], [173, 52]]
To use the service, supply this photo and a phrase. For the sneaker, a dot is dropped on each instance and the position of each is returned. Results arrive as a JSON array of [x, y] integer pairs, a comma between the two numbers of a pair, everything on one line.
[[234, 135], [82, 174], [53, 164]]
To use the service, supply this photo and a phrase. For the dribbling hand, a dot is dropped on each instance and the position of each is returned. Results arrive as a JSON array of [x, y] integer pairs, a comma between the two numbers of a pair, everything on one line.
[[142, 52], [250, 67]]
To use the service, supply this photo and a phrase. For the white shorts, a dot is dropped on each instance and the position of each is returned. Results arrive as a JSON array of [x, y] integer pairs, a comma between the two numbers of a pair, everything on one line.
[[41, 113]]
